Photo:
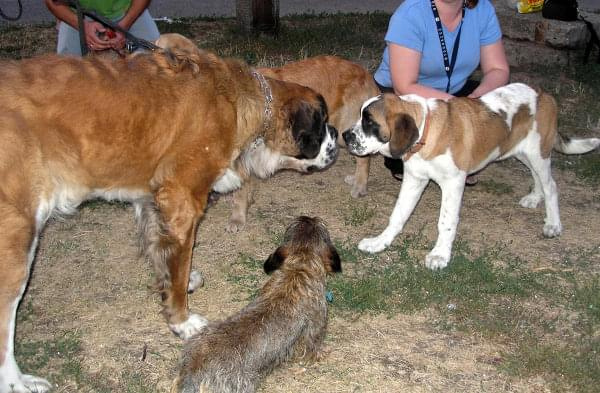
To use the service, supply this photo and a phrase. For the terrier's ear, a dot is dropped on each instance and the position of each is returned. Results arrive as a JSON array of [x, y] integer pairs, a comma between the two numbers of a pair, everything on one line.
[[333, 262], [275, 260]]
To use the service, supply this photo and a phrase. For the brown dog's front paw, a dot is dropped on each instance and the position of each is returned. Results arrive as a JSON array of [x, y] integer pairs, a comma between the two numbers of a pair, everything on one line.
[[235, 225], [190, 327], [358, 190]]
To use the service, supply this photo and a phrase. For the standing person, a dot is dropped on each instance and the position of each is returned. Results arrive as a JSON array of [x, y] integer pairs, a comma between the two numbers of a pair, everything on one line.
[[131, 15], [433, 47]]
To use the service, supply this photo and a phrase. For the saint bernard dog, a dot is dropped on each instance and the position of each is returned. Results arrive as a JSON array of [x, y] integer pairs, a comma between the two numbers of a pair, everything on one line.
[[343, 84], [160, 130], [445, 141]]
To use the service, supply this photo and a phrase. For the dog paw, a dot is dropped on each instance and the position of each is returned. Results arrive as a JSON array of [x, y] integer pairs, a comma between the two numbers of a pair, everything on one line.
[[194, 324], [349, 180], [358, 190], [196, 281], [234, 226], [373, 245], [531, 201], [28, 384], [436, 262], [552, 230]]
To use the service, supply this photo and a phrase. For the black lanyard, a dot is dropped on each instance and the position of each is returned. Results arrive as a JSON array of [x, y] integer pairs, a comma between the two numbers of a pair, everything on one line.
[[448, 66]]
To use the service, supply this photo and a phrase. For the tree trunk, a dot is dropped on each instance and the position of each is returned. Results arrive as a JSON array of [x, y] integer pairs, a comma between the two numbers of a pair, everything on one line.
[[243, 13], [258, 16]]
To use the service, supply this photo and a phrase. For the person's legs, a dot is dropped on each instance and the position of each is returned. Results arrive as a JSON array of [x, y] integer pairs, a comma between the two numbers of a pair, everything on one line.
[[68, 40], [145, 27]]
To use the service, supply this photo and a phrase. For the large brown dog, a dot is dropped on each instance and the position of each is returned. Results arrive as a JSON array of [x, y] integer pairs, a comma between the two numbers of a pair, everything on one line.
[[344, 85], [156, 129], [287, 318]]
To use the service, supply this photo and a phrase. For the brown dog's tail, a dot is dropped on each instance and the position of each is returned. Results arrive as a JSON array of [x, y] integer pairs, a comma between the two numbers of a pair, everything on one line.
[[568, 145]]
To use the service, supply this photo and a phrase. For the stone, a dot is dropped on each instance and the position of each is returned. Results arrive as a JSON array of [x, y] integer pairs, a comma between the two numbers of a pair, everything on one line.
[[528, 54], [535, 28]]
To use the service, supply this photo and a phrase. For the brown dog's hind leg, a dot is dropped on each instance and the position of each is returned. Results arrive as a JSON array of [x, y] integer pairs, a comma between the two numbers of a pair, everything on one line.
[[358, 181], [168, 231], [242, 199]]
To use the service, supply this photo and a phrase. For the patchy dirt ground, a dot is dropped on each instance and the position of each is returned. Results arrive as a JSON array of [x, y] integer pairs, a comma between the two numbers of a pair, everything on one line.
[[88, 280]]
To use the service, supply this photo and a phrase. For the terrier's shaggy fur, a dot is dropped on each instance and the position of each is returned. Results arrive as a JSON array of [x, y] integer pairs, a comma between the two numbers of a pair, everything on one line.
[[288, 318]]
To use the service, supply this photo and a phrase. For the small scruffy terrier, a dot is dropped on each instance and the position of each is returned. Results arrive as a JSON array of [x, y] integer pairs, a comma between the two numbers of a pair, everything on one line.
[[288, 318]]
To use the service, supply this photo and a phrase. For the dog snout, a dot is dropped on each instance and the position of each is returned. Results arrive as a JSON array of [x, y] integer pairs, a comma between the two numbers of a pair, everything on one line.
[[349, 137]]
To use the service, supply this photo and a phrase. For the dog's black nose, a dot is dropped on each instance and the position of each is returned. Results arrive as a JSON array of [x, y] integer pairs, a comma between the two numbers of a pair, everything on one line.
[[333, 131], [349, 137]]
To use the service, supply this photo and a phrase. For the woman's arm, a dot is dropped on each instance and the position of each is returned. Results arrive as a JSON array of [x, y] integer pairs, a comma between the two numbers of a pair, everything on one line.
[[404, 69], [494, 67]]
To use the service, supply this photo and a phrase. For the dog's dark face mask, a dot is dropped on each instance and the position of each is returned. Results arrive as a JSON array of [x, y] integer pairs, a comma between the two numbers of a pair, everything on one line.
[[309, 128]]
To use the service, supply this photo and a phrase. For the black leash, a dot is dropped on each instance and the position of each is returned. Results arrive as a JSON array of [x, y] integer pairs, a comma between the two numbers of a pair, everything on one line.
[[81, 27], [13, 18], [133, 42], [448, 65]]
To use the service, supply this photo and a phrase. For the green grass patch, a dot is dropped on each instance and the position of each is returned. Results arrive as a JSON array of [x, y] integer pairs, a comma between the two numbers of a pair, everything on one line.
[[59, 353], [246, 273], [586, 297], [406, 285], [586, 167], [358, 214], [59, 359], [348, 252], [573, 367], [493, 294]]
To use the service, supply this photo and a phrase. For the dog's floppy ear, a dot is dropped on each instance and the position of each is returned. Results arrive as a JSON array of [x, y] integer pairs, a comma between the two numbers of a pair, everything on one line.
[[308, 127], [275, 260], [404, 134], [333, 262]]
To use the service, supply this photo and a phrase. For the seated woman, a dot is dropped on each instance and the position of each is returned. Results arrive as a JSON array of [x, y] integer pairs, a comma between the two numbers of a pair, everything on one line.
[[433, 47]]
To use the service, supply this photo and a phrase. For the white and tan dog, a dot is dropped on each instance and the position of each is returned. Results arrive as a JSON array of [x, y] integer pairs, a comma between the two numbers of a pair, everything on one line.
[[445, 141]]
